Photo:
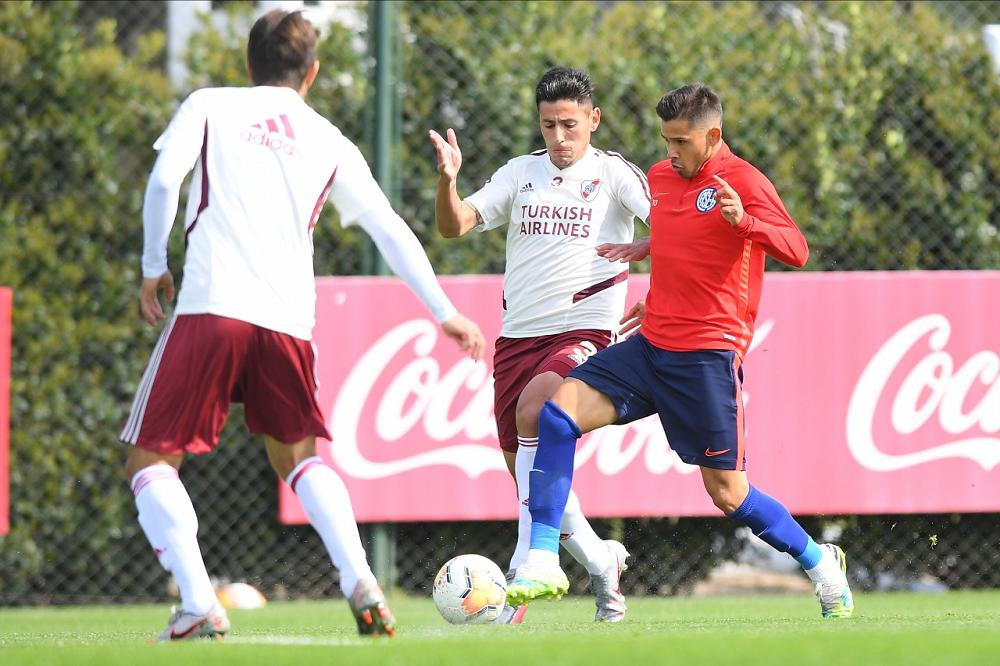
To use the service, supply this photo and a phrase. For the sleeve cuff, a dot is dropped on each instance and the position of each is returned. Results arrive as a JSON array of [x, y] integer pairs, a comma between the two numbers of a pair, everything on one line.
[[152, 270], [444, 312], [745, 225]]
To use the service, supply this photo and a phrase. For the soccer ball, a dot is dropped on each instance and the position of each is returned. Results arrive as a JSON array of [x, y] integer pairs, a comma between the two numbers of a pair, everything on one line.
[[470, 589], [240, 595]]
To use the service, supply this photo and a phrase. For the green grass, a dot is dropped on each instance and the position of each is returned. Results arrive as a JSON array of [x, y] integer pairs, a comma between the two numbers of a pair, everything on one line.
[[953, 628]]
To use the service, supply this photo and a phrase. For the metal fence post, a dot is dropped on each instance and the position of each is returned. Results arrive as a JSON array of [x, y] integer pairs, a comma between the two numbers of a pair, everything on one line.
[[386, 134]]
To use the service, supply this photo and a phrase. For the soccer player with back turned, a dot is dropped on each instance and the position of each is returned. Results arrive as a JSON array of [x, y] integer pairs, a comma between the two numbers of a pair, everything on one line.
[[714, 218], [265, 163], [561, 300]]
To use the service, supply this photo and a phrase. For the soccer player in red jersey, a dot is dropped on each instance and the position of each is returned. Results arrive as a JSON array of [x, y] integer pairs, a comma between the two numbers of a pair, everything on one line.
[[265, 163], [561, 300], [713, 220]]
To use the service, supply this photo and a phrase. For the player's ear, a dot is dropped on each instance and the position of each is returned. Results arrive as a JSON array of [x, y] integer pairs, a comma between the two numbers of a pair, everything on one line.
[[714, 136], [595, 118], [313, 71], [310, 76]]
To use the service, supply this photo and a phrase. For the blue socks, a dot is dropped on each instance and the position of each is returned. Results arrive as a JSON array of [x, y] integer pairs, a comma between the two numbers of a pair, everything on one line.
[[769, 519], [551, 478]]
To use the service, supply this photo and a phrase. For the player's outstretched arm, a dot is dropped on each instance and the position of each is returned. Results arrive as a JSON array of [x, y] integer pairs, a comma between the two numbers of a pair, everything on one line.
[[407, 259], [624, 252], [453, 216]]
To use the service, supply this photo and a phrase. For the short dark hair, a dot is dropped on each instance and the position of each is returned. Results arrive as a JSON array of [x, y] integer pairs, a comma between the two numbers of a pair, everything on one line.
[[695, 102], [561, 83], [281, 48]]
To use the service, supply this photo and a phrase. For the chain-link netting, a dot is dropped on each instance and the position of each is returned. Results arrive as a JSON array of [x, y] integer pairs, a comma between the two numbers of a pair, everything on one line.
[[875, 120]]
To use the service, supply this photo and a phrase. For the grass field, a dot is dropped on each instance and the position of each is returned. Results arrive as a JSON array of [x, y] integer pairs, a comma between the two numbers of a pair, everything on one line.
[[953, 628]]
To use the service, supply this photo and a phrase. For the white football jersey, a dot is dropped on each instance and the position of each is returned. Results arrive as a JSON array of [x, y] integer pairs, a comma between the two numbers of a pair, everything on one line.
[[265, 163], [554, 279]]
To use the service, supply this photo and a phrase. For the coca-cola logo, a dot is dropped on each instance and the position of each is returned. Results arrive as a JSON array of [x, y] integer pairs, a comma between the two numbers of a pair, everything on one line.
[[933, 388], [417, 400]]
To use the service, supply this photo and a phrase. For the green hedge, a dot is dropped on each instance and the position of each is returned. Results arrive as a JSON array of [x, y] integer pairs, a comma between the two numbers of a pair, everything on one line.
[[76, 127]]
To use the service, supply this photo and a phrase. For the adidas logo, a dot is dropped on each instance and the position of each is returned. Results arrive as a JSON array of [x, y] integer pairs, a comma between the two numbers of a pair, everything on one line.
[[272, 125], [526, 188], [274, 133]]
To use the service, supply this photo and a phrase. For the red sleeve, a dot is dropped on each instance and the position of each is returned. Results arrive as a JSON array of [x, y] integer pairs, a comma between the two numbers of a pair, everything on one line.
[[765, 221]]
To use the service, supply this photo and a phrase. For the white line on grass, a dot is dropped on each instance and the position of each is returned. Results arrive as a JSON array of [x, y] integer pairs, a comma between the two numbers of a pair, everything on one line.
[[271, 639]]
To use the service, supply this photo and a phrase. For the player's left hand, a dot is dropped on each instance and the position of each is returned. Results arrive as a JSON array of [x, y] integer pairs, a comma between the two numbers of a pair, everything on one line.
[[632, 319], [730, 203], [149, 301], [624, 252]]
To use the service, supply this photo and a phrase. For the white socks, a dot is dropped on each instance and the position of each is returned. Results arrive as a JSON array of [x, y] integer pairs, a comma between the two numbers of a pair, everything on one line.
[[578, 537], [580, 540], [328, 506], [542, 558], [171, 526], [523, 462]]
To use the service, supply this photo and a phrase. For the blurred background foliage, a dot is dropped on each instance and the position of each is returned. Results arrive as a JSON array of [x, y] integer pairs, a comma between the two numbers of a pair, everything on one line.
[[876, 120]]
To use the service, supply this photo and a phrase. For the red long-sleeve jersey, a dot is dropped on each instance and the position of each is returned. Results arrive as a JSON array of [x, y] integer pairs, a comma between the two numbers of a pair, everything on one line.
[[706, 275]]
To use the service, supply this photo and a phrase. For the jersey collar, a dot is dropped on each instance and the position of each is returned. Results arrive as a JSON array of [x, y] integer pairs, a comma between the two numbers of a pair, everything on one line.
[[714, 164]]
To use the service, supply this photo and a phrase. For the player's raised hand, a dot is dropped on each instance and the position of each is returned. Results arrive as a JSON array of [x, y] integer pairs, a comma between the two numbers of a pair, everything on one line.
[[632, 319], [449, 156], [149, 301], [466, 333], [624, 252], [730, 203]]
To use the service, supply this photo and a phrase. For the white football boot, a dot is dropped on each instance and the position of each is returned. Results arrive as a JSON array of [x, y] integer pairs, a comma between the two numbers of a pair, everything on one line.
[[184, 626], [606, 586], [370, 610], [835, 599]]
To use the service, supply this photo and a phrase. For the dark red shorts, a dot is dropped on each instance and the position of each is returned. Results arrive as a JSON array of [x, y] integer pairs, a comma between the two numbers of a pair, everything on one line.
[[203, 363], [518, 360]]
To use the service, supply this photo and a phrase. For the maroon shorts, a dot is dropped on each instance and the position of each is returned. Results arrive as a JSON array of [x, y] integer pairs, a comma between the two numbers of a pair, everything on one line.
[[204, 362], [518, 360]]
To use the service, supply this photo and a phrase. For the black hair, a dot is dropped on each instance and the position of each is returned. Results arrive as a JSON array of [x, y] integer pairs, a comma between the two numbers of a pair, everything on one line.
[[561, 83], [695, 102]]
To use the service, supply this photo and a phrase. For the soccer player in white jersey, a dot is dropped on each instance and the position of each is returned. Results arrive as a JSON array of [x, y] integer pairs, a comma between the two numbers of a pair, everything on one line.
[[265, 163], [561, 301]]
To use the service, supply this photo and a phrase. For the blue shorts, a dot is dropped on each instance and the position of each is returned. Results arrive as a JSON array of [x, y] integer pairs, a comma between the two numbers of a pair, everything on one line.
[[697, 395]]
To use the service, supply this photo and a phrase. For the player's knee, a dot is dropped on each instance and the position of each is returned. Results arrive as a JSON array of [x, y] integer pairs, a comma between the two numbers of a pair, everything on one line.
[[725, 498], [139, 459], [552, 420], [526, 415]]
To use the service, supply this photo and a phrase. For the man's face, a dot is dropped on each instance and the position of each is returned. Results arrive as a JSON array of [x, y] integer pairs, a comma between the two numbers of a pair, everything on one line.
[[566, 127], [688, 146]]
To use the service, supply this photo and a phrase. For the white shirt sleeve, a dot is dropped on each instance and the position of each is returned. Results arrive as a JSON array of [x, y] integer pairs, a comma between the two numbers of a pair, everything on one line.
[[495, 198], [354, 190], [406, 257], [359, 199], [632, 188], [179, 147]]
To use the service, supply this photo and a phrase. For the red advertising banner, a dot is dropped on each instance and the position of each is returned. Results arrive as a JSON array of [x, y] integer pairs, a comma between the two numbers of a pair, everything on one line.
[[6, 298], [865, 393]]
